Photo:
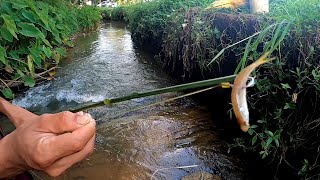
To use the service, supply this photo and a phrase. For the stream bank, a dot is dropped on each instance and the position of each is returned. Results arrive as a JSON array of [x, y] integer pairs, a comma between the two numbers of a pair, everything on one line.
[[284, 106]]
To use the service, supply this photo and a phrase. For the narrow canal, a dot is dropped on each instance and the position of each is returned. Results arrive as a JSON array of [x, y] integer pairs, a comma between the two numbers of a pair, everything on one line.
[[170, 141]]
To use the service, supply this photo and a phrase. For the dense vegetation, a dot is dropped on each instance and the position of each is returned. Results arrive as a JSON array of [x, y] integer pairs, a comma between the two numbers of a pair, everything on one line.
[[34, 38], [196, 43]]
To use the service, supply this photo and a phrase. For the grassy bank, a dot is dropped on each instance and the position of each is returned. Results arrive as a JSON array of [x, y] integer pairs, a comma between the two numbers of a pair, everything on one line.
[[195, 43], [34, 38]]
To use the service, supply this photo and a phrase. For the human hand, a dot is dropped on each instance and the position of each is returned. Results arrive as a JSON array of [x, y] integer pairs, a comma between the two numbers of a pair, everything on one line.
[[51, 143]]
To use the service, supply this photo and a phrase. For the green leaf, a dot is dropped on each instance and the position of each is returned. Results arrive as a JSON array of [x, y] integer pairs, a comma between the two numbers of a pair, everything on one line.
[[10, 24], [3, 55], [14, 55], [47, 51], [31, 5], [270, 133], [254, 139], [277, 142], [61, 51], [29, 15], [253, 126], [35, 56], [285, 86], [29, 30], [250, 131], [7, 92], [269, 141], [29, 81], [6, 7], [19, 4], [43, 15], [289, 106], [5, 33]]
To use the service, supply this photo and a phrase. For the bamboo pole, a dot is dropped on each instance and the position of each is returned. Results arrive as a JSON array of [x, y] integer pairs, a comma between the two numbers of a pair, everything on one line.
[[177, 88]]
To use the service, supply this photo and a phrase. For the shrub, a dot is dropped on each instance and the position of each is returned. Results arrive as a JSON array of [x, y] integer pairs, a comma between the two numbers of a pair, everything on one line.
[[34, 35]]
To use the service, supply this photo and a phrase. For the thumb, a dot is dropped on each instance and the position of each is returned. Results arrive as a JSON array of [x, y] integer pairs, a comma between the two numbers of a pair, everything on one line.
[[64, 121]]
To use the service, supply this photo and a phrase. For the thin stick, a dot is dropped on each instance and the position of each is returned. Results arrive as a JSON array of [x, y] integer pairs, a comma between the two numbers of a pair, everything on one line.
[[177, 88], [164, 101]]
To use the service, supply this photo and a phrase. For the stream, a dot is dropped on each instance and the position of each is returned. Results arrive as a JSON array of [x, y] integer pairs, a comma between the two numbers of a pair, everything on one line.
[[175, 140]]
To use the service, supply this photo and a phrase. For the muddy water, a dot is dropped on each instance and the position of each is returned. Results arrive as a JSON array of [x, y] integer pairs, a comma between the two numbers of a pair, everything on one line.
[[168, 141]]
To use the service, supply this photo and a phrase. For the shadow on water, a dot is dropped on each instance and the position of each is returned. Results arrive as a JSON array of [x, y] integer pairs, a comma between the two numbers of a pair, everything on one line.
[[151, 142]]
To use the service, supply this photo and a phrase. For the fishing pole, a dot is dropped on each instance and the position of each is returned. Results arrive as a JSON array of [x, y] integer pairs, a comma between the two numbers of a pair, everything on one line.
[[176, 88]]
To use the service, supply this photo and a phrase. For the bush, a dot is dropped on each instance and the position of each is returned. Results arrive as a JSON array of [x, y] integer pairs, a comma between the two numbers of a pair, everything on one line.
[[34, 35]]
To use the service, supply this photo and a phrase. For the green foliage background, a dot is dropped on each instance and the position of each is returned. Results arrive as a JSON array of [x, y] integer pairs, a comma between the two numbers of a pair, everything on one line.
[[34, 37]]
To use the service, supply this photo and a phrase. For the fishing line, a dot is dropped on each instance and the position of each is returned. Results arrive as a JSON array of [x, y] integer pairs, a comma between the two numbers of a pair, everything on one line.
[[163, 101]]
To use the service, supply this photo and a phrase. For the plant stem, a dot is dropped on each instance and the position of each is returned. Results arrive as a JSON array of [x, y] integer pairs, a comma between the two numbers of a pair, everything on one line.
[[177, 88]]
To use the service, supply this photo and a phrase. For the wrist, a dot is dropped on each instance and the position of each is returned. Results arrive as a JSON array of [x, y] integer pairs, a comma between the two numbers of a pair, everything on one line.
[[11, 163]]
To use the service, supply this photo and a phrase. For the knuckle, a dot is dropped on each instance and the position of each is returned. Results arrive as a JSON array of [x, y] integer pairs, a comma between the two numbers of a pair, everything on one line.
[[40, 158], [65, 115], [77, 145], [41, 161]]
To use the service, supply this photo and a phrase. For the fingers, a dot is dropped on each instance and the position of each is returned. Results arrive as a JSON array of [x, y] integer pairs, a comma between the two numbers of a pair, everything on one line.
[[16, 114], [63, 122], [64, 163], [69, 143]]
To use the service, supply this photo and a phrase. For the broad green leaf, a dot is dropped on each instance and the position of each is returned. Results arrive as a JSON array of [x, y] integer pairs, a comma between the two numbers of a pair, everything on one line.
[[250, 131], [6, 7], [29, 30], [21, 74], [31, 5], [29, 81], [5, 33], [11, 25], [3, 55], [7, 92], [29, 15], [43, 15], [14, 55], [30, 64], [47, 51], [254, 139], [35, 56], [19, 4], [269, 141], [270, 133], [61, 51]]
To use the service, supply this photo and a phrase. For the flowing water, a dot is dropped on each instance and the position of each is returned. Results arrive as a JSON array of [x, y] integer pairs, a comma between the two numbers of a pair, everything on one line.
[[167, 141]]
